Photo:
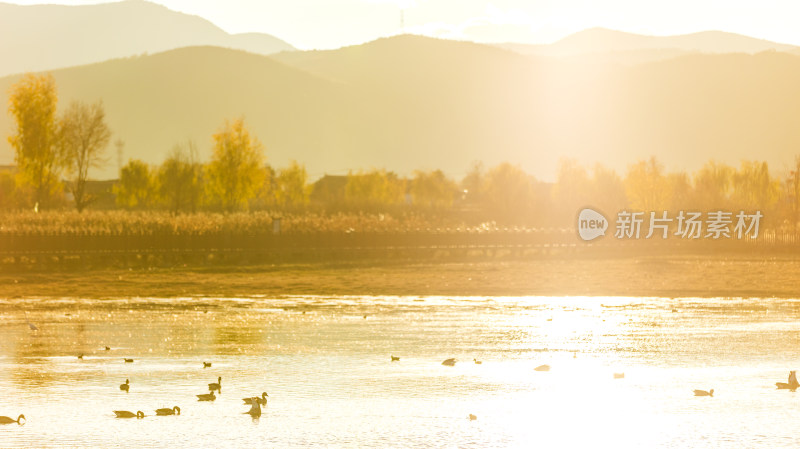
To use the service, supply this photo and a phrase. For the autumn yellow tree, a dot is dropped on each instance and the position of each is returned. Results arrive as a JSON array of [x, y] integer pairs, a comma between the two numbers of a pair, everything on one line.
[[510, 195], [136, 188], [291, 186], [712, 186], [646, 186], [432, 189], [571, 191], [753, 188], [236, 171], [83, 137], [374, 190], [179, 179], [32, 103]]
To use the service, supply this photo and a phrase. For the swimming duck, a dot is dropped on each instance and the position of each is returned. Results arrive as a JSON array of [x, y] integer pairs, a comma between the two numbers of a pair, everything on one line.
[[449, 362], [128, 360], [542, 368], [791, 385], [704, 393], [206, 397], [472, 417], [126, 386], [80, 356], [127, 414], [107, 348], [168, 411], [255, 408], [477, 362], [206, 364], [216, 385], [395, 359], [6, 420], [261, 401]]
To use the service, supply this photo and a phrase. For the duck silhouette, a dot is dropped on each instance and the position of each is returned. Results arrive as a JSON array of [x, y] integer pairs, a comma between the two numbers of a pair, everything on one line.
[[255, 408], [6, 420], [449, 362], [127, 414], [792, 384], [126, 386], [206, 397], [216, 385], [262, 400], [168, 411], [709, 393]]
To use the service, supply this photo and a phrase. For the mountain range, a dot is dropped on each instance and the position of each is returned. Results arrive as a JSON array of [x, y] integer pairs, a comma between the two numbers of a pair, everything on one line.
[[45, 37], [411, 102]]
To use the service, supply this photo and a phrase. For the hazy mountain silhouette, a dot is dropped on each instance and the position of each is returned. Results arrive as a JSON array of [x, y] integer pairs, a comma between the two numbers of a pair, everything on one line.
[[411, 102], [619, 46], [44, 37]]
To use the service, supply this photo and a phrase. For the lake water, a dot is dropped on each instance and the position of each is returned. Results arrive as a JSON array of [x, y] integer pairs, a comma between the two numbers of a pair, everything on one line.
[[331, 383]]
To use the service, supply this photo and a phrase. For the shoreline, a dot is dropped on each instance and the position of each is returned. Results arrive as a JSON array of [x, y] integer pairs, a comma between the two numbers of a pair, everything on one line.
[[656, 276]]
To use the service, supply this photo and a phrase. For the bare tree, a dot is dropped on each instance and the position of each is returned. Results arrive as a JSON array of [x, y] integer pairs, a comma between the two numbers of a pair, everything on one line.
[[83, 136]]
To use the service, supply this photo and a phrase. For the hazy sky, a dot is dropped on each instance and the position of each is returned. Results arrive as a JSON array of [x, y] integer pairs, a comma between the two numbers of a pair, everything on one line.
[[333, 23]]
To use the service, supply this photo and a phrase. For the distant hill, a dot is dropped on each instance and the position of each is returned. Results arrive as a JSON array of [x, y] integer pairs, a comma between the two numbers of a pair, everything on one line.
[[411, 102], [630, 48], [44, 37]]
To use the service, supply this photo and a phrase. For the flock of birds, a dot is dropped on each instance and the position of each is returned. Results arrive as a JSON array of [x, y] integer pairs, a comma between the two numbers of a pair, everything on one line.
[[254, 402]]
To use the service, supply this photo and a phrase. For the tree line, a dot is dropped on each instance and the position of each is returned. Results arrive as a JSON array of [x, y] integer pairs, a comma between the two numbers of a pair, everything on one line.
[[54, 152]]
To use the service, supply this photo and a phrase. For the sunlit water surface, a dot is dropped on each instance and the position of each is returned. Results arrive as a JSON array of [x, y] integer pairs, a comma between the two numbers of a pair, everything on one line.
[[331, 383]]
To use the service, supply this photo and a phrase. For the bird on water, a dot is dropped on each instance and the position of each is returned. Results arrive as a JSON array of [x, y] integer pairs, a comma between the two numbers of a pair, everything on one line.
[[6, 420], [216, 385], [206, 397], [262, 400], [168, 411], [127, 414]]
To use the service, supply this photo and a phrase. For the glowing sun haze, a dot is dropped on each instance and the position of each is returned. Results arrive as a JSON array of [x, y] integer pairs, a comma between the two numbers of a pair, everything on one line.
[[309, 24]]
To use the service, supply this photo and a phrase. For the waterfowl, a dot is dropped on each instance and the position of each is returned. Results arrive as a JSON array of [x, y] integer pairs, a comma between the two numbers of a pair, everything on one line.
[[206, 397], [477, 362], [704, 393], [542, 368], [255, 408], [791, 385], [472, 417], [7, 420], [262, 401], [80, 356], [216, 385], [126, 386], [619, 375], [395, 359], [206, 364], [128, 360], [168, 411], [107, 348], [449, 362], [127, 414]]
